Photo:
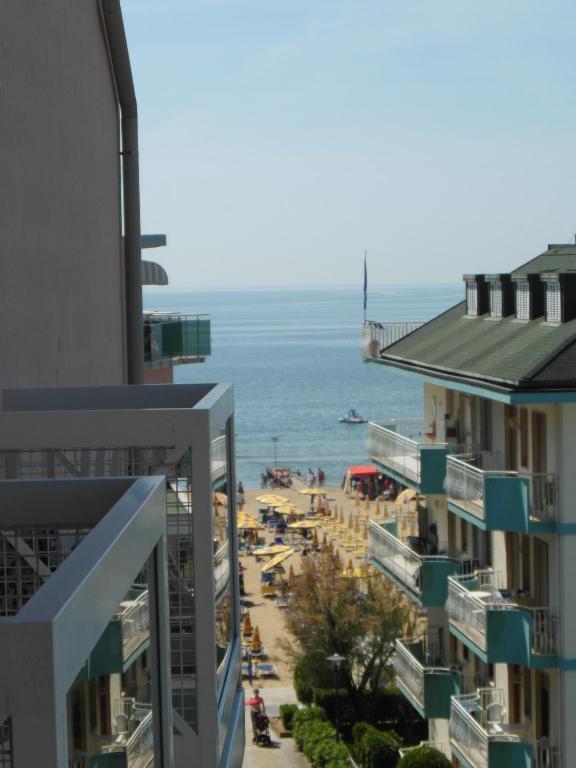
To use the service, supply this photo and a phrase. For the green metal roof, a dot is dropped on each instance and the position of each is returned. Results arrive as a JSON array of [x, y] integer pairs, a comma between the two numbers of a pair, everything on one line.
[[507, 352]]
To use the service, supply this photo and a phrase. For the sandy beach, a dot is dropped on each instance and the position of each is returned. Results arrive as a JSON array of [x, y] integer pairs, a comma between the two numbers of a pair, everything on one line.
[[345, 529]]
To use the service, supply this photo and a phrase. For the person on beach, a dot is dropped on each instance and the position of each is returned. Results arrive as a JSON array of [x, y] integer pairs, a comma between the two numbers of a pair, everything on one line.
[[240, 497], [257, 707]]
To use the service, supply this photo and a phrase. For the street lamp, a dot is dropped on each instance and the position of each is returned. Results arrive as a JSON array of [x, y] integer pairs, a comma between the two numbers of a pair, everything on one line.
[[275, 443], [336, 661]]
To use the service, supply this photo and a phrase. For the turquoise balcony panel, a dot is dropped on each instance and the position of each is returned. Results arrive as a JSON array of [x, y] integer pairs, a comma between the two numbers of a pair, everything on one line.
[[496, 500], [109, 760], [423, 578], [428, 688], [497, 630], [480, 736], [173, 336], [408, 459], [123, 641]]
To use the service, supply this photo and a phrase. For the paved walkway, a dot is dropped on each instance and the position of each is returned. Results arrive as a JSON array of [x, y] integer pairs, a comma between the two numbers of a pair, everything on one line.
[[282, 753]]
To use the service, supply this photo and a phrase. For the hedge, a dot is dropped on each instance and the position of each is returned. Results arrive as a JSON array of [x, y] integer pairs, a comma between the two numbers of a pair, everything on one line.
[[317, 739], [374, 748], [424, 757], [287, 712]]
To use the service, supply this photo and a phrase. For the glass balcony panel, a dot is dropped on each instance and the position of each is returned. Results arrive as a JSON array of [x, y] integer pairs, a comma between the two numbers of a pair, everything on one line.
[[169, 336]]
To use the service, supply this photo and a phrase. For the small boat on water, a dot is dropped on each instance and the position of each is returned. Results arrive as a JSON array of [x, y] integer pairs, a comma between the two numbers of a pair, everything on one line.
[[353, 418]]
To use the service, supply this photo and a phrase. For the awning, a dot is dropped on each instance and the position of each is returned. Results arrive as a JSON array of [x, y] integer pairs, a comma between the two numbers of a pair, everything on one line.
[[363, 470], [153, 274]]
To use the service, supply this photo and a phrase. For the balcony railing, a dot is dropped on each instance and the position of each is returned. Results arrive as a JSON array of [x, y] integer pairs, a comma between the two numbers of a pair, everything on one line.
[[478, 727], [424, 577], [171, 336], [429, 686], [504, 630], [221, 569], [218, 458], [499, 499], [135, 620], [140, 746], [376, 337], [410, 459]]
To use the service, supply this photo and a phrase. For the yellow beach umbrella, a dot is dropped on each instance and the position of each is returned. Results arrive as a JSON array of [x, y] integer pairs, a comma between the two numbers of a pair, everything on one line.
[[304, 524], [271, 499], [274, 549], [313, 491], [406, 496], [277, 560], [248, 524]]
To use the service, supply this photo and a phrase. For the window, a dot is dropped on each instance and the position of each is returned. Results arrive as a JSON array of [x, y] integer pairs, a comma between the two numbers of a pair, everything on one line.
[[496, 299], [524, 437], [553, 306], [472, 299], [523, 301]]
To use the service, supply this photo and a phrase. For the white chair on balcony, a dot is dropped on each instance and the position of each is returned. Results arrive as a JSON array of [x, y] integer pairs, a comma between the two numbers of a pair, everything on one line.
[[494, 717]]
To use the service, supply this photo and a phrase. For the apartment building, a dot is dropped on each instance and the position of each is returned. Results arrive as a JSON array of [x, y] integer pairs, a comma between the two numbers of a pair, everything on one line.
[[489, 558], [119, 611]]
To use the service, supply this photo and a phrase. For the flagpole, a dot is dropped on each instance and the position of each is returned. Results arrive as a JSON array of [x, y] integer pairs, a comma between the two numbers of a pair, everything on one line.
[[365, 285]]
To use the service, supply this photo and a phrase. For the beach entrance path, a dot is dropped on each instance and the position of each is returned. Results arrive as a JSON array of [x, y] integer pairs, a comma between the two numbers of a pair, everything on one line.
[[283, 753]]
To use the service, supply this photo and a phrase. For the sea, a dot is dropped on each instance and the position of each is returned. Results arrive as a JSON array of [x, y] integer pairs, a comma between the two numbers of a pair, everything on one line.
[[295, 360]]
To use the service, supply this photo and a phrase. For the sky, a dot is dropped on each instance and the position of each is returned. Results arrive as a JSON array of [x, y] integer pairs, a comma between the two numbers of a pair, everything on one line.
[[279, 139]]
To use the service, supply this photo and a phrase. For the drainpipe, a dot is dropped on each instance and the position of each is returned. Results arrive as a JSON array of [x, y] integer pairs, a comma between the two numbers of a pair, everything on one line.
[[120, 60]]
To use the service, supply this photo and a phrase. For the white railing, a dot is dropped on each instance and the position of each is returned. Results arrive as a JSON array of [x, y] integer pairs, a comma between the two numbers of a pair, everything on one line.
[[377, 336], [221, 568], [218, 459], [140, 746], [394, 556], [397, 451], [547, 756], [468, 607], [476, 719], [409, 670], [544, 631], [465, 476], [135, 621]]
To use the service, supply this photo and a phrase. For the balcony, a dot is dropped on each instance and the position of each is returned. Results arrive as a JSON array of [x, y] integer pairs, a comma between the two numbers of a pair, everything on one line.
[[376, 337], [481, 737], [133, 746], [124, 639], [498, 627], [172, 338], [424, 578], [423, 680], [495, 500], [408, 459]]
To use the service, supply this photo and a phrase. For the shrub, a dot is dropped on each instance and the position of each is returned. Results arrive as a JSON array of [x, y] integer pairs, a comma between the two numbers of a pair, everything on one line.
[[287, 712], [316, 738], [311, 670], [301, 720], [376, 749], [424, 757], [326, 698]]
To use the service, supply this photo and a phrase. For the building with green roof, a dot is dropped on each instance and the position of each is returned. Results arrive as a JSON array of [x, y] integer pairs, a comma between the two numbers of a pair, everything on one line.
[[494, 552]]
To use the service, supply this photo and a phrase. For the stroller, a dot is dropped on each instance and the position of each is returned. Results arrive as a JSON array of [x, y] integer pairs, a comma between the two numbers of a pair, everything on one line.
[[261, 730]]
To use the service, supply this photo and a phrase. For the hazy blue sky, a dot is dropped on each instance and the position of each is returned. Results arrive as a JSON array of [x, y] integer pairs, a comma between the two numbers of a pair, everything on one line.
[[279, 138]]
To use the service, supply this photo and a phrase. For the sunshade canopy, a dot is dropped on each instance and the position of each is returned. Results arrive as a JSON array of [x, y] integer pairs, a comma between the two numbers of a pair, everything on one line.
[[363, 470], [276, 561]]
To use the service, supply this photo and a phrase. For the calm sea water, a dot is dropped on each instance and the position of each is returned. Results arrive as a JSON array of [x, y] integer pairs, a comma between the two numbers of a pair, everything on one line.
[[295, 360]]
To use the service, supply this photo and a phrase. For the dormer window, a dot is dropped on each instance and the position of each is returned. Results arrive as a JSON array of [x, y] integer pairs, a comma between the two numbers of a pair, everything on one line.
[[472, 299], [495, 299], [523, 301], [476, 298], [553, 302], [499, 295]]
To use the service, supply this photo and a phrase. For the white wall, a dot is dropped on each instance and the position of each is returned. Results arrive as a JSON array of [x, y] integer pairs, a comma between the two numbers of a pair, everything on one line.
[[61, 283]]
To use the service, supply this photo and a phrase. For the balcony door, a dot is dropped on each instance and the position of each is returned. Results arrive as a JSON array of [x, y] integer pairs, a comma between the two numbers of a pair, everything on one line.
[[511, 437], [539, 462]]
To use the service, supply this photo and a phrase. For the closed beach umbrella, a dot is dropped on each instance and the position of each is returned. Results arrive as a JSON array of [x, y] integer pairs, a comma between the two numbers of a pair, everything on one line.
[[377, 507], [291, 578], [256, 642], [247, 626], [367, 505]]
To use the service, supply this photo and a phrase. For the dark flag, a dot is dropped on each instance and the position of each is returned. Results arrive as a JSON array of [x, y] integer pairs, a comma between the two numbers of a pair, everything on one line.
[[365, 285]]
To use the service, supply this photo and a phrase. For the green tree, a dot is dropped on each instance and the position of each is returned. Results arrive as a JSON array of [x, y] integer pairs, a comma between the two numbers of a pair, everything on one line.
[[424, 757], [359, 619]]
